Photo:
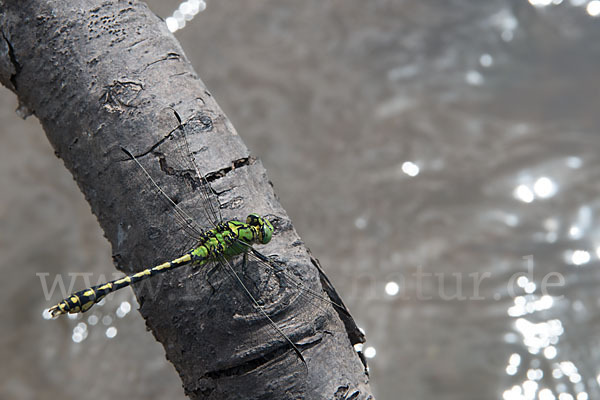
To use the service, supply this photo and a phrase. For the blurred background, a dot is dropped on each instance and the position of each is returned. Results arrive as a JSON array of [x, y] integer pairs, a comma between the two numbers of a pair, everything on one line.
[[440, 158]]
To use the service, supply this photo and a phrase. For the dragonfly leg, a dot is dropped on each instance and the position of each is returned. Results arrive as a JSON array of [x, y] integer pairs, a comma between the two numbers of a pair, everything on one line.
[[275, 265], [246, 277], [211, 271], [266, 283]]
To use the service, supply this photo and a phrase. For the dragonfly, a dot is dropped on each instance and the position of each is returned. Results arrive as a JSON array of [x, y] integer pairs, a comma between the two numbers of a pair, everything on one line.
[[217, 246]]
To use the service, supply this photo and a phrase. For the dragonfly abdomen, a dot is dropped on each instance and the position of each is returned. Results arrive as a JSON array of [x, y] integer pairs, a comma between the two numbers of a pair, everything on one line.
[[84, 299]]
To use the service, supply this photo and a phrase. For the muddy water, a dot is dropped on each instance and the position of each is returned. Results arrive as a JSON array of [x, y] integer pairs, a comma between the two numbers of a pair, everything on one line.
[[439, 158]]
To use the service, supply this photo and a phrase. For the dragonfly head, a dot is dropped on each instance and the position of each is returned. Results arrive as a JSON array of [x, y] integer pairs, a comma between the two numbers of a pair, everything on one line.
[[262, 225]]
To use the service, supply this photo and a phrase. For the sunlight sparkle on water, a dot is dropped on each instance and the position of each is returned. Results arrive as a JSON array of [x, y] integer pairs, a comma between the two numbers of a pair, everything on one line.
[[546, 394], [540, 3], [535, 374], [507, 35], [537, 336], [80, 332], [370, 352], [557, 373], [593, 8], [544, 187], [511, 337], [523, 193], [523, 306], [186, 12], [511, 220], [77, 337], [513, 364], [360, 223], [550, 352], [551, 224], [598, 251], [575, 232], [574, 162], [580, 257], [486, 60], [410, 168], [474, 78], [392, 288], [511, 370], [515, 359], [123, 309], [111, 332], [515, 393], [530, 287]]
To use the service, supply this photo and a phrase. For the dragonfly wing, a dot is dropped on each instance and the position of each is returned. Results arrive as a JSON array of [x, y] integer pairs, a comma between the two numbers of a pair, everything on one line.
[[231, 271], [179, 159]]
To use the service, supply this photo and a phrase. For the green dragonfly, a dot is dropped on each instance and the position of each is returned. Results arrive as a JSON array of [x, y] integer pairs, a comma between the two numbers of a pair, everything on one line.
[[218, 245]]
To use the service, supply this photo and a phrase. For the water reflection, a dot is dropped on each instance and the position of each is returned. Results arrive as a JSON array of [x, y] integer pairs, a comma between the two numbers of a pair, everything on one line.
[[523, 193], [80, 332], [486, 60], [111, 332], [577, 257], [186, 11], [410, 168], [474, 78], [544, 187], [82, 329], [392, 288], [124, 309], [541, 337], [574, 162], [593, 8], [370, 352]]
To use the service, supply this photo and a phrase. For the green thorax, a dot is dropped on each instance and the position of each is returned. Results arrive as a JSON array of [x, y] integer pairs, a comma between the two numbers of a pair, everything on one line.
[[232, 238]]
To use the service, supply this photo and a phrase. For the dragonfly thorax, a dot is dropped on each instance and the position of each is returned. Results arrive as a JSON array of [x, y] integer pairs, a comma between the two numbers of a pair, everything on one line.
[[232, 238]]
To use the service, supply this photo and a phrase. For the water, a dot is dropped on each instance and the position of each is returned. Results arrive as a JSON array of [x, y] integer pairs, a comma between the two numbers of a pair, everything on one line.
[[451, 152]]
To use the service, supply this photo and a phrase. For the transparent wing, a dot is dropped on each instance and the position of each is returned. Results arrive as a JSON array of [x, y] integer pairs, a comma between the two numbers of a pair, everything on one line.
[[234, 275], [179, 160], [277, 287], [295, 282], [320, 304], [183, 218]]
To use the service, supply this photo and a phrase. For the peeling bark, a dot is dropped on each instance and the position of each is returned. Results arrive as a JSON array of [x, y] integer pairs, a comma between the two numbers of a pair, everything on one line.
[[100, 75]]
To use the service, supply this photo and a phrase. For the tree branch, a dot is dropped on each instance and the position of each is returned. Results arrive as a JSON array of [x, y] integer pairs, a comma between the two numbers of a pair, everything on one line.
[[99, 75]]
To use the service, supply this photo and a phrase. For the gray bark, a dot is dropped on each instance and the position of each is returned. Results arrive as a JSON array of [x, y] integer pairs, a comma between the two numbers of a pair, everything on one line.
[[104, 74]]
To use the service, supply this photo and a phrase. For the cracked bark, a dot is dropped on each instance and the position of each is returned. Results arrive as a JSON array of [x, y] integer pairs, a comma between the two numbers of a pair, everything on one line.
[[99, 75]]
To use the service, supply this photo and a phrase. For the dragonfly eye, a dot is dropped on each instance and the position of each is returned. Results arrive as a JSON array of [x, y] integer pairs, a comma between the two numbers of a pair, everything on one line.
[[265, 229]]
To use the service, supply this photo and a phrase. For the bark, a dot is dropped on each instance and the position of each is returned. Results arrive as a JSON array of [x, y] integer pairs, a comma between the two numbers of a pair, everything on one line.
[[104, 74]]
